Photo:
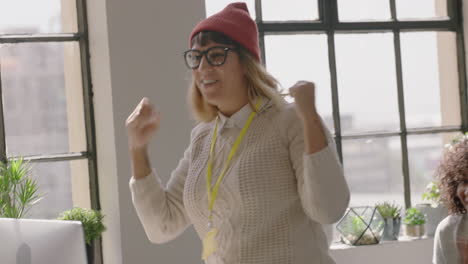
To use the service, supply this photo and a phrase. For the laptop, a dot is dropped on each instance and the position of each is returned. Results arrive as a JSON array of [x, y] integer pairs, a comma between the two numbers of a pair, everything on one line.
[[37, 241]]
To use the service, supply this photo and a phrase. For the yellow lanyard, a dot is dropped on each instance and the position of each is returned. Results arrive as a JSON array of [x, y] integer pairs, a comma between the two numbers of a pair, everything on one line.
[[213, 191], [209, 246]]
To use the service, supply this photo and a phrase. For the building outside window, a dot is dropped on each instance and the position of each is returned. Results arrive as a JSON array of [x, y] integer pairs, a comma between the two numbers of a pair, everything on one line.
[[390, 82], [46, 115]]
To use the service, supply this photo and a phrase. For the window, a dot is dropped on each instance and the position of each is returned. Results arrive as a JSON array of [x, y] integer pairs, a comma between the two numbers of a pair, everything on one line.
[[46, 112], [390, 82]]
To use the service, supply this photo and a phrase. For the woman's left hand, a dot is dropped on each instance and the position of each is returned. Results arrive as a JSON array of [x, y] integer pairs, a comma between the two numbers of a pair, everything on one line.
[[303, 93]]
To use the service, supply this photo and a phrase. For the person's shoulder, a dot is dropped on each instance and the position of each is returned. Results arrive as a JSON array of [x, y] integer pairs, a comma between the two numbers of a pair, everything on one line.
[[285, 114], [284, 121], [201, 129], [448, 223], [452, 219]]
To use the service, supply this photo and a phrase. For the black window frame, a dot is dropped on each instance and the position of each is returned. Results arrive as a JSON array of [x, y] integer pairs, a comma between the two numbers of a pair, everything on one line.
[[328, 23], [82, 38]]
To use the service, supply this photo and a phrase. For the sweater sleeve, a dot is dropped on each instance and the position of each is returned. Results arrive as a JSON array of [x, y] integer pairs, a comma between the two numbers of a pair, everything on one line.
[[321, 184], [161, 209]]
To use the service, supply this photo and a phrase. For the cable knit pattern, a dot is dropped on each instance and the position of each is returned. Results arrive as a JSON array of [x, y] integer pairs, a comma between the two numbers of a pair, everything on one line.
[[271, 203]]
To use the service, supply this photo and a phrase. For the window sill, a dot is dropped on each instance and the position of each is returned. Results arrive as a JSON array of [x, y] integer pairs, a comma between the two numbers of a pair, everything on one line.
[[402, 241], [404, 250]]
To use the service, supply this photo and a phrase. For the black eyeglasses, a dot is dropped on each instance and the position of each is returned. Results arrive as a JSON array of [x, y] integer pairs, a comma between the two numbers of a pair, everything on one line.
[[215, 56]]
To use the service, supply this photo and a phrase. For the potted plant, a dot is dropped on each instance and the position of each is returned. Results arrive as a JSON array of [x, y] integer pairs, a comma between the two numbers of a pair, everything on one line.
[[392, 220], [93, 226], [434, 209], [360, 226], [18, 190], [414, 222], [432, 194]]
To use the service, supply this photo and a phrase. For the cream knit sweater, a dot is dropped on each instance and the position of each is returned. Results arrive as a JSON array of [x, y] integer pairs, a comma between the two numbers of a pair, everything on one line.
[[271, 202]]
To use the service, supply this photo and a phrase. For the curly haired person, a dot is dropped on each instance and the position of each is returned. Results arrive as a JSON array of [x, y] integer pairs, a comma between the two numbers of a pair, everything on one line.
[[451, 238]]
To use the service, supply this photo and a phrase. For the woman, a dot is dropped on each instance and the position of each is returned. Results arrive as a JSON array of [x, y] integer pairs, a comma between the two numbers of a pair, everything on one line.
[[259, 177], [451, 237]]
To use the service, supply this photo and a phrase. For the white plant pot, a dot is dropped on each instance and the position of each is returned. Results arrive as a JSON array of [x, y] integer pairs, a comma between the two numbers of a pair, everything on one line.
[[433, 216]]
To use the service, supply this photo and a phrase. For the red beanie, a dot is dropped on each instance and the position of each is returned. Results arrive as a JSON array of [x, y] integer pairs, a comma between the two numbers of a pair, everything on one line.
[[233, 21]]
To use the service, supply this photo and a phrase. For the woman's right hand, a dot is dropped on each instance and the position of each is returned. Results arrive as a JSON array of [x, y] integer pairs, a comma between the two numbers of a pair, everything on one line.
[[142, 124]]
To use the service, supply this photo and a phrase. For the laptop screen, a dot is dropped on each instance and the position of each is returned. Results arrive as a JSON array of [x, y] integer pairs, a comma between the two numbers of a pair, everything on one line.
[[36, 241]]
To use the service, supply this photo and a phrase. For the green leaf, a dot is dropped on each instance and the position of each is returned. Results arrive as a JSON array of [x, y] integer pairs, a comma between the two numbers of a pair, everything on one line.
[[90, 219], [388, 210], [432, 193], [414, 217], [18, 190]]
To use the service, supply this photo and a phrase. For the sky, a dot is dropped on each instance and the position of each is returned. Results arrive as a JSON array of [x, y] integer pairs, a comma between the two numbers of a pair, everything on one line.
[[28, 12]]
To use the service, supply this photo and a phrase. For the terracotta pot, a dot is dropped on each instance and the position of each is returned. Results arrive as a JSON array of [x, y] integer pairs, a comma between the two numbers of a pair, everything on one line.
[[414, 230]]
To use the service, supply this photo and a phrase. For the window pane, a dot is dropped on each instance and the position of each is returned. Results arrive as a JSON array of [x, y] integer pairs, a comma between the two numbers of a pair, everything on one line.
[[429, 62], [43, 98], [367, 82], [64, 184], [32, 16], [420, 9], [291, 58], [214, 6], [424, 153], [275, 10], [356, 10], [373, 170]]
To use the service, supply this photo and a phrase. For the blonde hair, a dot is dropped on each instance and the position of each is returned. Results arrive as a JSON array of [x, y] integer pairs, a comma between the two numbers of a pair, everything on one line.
[[259, 83]]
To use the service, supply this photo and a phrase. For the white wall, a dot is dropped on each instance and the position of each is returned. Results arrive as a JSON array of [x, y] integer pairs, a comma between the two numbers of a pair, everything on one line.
[[136, 51]]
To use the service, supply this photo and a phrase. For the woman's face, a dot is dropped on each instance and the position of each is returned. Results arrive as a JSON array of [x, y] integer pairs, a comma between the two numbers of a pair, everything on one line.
[[462, 193], [223, 86]]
